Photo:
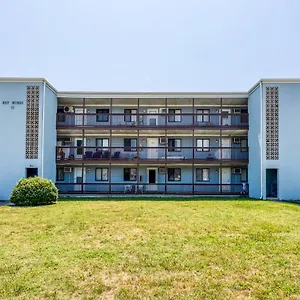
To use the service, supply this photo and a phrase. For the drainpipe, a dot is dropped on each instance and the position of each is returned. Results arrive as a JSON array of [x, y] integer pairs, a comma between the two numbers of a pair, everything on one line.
[[261, 142], [43, 131]]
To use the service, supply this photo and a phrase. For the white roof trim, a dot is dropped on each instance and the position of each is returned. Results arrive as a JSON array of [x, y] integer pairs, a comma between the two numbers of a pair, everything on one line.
[[29, 79], [148, 95], [274, 80]]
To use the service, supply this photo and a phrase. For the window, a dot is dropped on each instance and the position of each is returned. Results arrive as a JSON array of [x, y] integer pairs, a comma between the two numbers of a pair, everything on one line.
[[244, 175], [130, 144], [101, 174], [202, 174], [129, 174], [174, 174], [60, 174], [130, 115], [174, 145], [203, 145], [244, 145], [203, 115], [174, 115], [102, 115], [102, 144]]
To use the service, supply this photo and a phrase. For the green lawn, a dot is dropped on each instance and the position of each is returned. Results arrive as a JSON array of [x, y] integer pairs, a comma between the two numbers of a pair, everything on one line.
[[151, 249]]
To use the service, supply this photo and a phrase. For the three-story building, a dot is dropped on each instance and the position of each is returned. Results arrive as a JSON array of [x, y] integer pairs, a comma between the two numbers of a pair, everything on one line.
[[151, 143]]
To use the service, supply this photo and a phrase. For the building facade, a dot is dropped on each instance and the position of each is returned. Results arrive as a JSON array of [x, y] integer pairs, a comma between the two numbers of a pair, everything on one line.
[[155, 143]]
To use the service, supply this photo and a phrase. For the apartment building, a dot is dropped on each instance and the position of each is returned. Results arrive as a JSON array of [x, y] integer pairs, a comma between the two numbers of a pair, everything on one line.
[[151, 143]]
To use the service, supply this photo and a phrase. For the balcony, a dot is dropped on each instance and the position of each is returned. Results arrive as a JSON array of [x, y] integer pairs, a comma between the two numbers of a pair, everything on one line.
[[146, 188], [222, 120], [68, 155]]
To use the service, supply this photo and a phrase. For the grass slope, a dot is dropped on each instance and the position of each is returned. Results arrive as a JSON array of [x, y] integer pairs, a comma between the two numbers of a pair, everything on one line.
[[150, 249]]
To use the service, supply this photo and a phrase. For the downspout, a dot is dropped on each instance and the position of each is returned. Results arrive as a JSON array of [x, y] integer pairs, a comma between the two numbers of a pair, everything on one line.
[[43, 131], [261, 142]]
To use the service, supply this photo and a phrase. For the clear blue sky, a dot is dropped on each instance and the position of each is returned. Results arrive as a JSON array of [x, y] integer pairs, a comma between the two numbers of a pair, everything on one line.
[[150, 45]]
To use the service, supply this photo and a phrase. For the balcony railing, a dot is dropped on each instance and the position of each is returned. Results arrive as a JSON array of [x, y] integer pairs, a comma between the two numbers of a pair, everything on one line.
[[143, 120], [151, 154], [158, 188]]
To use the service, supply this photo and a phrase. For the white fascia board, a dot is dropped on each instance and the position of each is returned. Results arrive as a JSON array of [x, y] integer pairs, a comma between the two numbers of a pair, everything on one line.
[[29, 79], [149, 95]]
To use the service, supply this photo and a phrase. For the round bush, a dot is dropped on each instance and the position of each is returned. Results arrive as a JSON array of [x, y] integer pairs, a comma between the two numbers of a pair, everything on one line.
[[34, 191]]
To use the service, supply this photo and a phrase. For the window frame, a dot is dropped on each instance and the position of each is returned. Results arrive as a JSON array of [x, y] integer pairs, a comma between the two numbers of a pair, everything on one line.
[[174, 148], [174, 115], [201, 114], [102, 147], [101, 175], [131, 114], [174, 173], [201, 179], [130, 174], [63, 172], [203, 148], [102, 114], [130, 148]]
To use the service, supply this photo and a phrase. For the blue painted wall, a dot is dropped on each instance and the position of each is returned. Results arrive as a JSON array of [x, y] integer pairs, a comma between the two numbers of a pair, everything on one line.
[[13, 132], [50, 134], [254, 142], [288, 164]]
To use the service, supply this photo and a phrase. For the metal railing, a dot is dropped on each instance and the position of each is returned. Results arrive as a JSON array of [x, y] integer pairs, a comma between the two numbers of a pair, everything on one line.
[[145, 120], [147, 154], [158, 188]]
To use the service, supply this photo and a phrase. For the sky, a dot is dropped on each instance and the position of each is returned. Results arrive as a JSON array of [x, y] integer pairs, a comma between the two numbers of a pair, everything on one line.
[[150, 45]]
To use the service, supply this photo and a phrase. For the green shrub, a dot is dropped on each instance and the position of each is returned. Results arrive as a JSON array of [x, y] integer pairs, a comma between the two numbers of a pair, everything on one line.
[[34, 191]]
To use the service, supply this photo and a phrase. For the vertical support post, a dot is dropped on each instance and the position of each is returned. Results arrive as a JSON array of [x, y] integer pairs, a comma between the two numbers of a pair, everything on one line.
[[220, 145], [166, 144], [110, 141], [83, 149], [193, 162], [138, 145]]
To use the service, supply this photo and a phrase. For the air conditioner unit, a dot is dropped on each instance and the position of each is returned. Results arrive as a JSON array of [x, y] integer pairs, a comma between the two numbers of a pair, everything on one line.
[[162, 140], [67, 169], [236, 140], [162, 110], [68, 109], [236, 110], [237, 171]]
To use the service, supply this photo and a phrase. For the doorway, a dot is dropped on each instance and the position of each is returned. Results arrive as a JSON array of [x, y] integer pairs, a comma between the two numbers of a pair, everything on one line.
[[226, 117], [31, 172], [152, 119], [271, 183], [226, 179], [226, 153], [79, 150], [152, 153], [152, 179], [79, 178]]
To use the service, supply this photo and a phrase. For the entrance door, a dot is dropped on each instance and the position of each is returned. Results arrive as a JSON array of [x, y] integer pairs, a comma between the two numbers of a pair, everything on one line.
[[152, 153], [226, 153], [78, 116], [226, 179], [31, 172], [152, 120], [152, 179], [78, 178], [226, 118], [271, 183], [78, 153]]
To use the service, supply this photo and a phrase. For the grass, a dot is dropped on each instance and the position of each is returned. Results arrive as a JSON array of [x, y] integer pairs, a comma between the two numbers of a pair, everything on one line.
[[150, 249]]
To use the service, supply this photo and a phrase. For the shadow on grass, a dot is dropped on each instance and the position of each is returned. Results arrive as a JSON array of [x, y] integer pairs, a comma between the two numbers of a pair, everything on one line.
[[156, 198]]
